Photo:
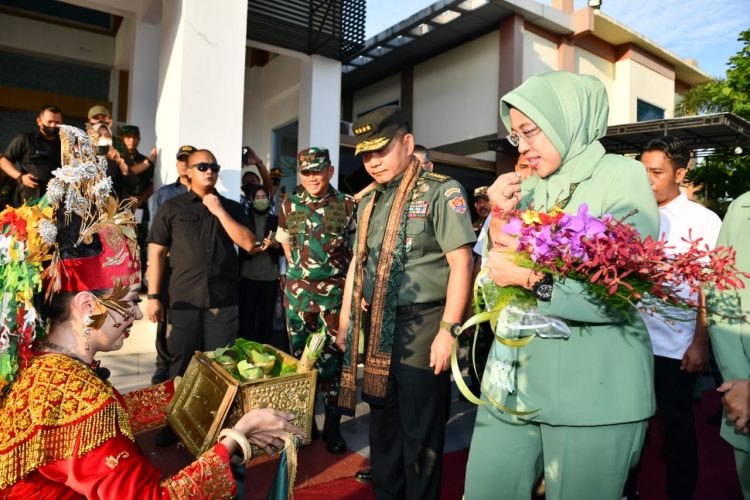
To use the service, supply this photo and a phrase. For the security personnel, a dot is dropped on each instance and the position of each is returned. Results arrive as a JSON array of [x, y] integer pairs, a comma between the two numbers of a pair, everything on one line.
[[38, 154], [408, 287], [316, 226], [482, 206]]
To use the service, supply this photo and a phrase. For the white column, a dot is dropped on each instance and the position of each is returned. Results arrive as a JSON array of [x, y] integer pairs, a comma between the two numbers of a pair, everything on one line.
[[142, 95], [201, 82], [320, 106]]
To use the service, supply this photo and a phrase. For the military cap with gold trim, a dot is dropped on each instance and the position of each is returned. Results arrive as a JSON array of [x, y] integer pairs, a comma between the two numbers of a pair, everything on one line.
[[313, 159], [481, 192], [375, 130]]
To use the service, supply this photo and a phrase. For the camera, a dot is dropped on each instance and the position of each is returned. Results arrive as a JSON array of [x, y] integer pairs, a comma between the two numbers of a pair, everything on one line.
[[245, 155], [102, 150]]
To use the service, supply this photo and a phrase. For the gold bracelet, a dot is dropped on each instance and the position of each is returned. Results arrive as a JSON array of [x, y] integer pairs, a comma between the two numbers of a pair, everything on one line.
[[247, 450]]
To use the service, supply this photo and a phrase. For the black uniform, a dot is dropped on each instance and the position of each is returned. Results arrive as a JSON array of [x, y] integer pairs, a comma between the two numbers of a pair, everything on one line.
[[38, 156]]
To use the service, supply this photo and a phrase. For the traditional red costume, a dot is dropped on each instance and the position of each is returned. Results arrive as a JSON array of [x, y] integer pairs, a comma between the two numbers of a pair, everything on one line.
[[65, 432]]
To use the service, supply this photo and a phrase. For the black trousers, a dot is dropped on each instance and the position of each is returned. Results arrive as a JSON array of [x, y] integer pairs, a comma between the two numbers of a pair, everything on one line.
[[257, 301], [163, 358], [674, 402], [407, 433]]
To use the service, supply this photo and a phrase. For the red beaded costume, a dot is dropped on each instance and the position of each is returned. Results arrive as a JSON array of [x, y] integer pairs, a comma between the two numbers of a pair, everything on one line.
[[64, 431]]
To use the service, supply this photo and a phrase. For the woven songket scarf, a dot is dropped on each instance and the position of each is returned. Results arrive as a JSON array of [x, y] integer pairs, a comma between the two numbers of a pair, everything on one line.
[[388, 278]]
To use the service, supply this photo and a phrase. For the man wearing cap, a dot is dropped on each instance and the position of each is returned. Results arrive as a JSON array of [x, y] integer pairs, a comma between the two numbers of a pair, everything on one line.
[[37, 153], [277, 191], [316, 227], [140, 182], [482, 206], [407, 288], [181, 185]]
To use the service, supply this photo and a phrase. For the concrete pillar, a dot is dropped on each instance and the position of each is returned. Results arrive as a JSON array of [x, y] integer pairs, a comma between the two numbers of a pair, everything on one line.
[[142, 96], [201, 82], [320, 106]]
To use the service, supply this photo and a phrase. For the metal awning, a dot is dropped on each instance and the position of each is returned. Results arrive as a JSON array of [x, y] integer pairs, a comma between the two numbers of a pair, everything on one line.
[[700, 133], [719, 130]]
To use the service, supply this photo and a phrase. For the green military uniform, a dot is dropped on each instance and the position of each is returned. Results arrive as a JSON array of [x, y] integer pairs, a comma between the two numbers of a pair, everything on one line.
[[408, 273], [438, 222], [318, 232], [731, 338], [594, 390]]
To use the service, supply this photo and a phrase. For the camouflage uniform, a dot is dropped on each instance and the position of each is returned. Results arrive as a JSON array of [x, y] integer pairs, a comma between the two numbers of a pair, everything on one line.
[[320, 233]]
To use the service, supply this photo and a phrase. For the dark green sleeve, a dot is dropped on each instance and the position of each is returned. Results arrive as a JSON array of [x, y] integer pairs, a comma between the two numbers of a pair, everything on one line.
[[451, 217]]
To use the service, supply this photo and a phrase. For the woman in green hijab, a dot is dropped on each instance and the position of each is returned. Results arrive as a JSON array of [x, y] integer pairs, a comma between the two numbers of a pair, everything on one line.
[[591, 394]]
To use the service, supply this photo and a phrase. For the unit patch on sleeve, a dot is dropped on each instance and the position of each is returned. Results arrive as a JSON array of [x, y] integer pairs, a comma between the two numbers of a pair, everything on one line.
[[458, 204], [450, 192]]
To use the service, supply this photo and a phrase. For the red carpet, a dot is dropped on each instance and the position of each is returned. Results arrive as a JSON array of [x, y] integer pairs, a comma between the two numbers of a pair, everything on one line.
[[717, 474], [322, 476]]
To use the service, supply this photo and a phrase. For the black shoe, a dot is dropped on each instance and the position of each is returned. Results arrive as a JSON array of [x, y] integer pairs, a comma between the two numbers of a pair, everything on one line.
[[364, 476], [332, 432], [166, 437], [159, 376], [314, 432]]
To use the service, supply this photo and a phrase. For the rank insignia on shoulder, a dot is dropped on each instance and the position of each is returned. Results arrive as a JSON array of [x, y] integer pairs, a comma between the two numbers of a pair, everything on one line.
[[436, 177], [458, 204]]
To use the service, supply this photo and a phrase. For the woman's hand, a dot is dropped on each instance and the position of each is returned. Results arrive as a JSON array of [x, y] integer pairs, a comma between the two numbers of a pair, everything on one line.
[[505, 192], [504, 271], [267, 428], [736, 401]]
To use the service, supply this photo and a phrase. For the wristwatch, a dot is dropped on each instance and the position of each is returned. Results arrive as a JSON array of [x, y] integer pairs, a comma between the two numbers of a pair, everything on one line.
[[152, 296], [453, 328], [542, 289]]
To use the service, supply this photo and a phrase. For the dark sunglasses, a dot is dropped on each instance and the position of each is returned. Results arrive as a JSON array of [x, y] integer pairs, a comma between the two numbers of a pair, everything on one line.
[[202, 167]]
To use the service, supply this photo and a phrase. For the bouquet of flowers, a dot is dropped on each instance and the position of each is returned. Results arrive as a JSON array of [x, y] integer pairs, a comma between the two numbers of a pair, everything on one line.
[[607, 255], [26, 234]]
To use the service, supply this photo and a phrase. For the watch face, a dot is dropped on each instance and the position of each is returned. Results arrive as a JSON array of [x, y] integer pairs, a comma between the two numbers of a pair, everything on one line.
[[455, 329], [544, 291]]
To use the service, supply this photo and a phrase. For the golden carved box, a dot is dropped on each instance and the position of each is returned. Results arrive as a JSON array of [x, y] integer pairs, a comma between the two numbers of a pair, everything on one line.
[[209, 399]]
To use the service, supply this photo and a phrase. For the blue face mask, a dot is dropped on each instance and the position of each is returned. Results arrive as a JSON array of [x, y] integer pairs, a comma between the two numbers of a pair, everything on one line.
[[260, 205]]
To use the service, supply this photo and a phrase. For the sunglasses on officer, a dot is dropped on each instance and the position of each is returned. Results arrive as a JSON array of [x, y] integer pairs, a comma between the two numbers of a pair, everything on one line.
[[202, 167]]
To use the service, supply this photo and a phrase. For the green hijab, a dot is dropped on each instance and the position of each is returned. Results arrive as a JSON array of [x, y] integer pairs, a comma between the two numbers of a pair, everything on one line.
[[572, 111]]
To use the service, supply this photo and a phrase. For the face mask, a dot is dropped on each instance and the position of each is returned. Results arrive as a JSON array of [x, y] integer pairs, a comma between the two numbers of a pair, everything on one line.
[[104, 141], [50, 131], [260, 205]]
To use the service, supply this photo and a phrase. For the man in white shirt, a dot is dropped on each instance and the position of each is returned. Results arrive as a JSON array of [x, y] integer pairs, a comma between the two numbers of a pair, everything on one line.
[[679, 336]]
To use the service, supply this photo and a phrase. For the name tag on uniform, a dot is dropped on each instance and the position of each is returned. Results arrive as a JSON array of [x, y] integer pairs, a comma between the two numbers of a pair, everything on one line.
[[417, 209]]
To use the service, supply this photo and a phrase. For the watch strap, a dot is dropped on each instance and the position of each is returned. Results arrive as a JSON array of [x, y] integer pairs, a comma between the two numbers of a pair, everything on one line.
[[453, 328]]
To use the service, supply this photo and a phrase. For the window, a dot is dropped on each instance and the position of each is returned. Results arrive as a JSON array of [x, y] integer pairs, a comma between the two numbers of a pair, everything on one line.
[[646, 111], [285, 154]]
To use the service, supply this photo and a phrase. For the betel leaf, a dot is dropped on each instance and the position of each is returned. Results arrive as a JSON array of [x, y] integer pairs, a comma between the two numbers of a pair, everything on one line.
[[248, 371]]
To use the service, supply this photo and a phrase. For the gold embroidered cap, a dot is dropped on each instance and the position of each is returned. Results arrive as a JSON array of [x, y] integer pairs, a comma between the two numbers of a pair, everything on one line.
[[481, 192], [375, 130]]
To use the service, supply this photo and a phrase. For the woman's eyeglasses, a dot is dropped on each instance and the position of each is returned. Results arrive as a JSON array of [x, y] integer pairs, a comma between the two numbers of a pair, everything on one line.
[[515, 139], [202, 167]]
